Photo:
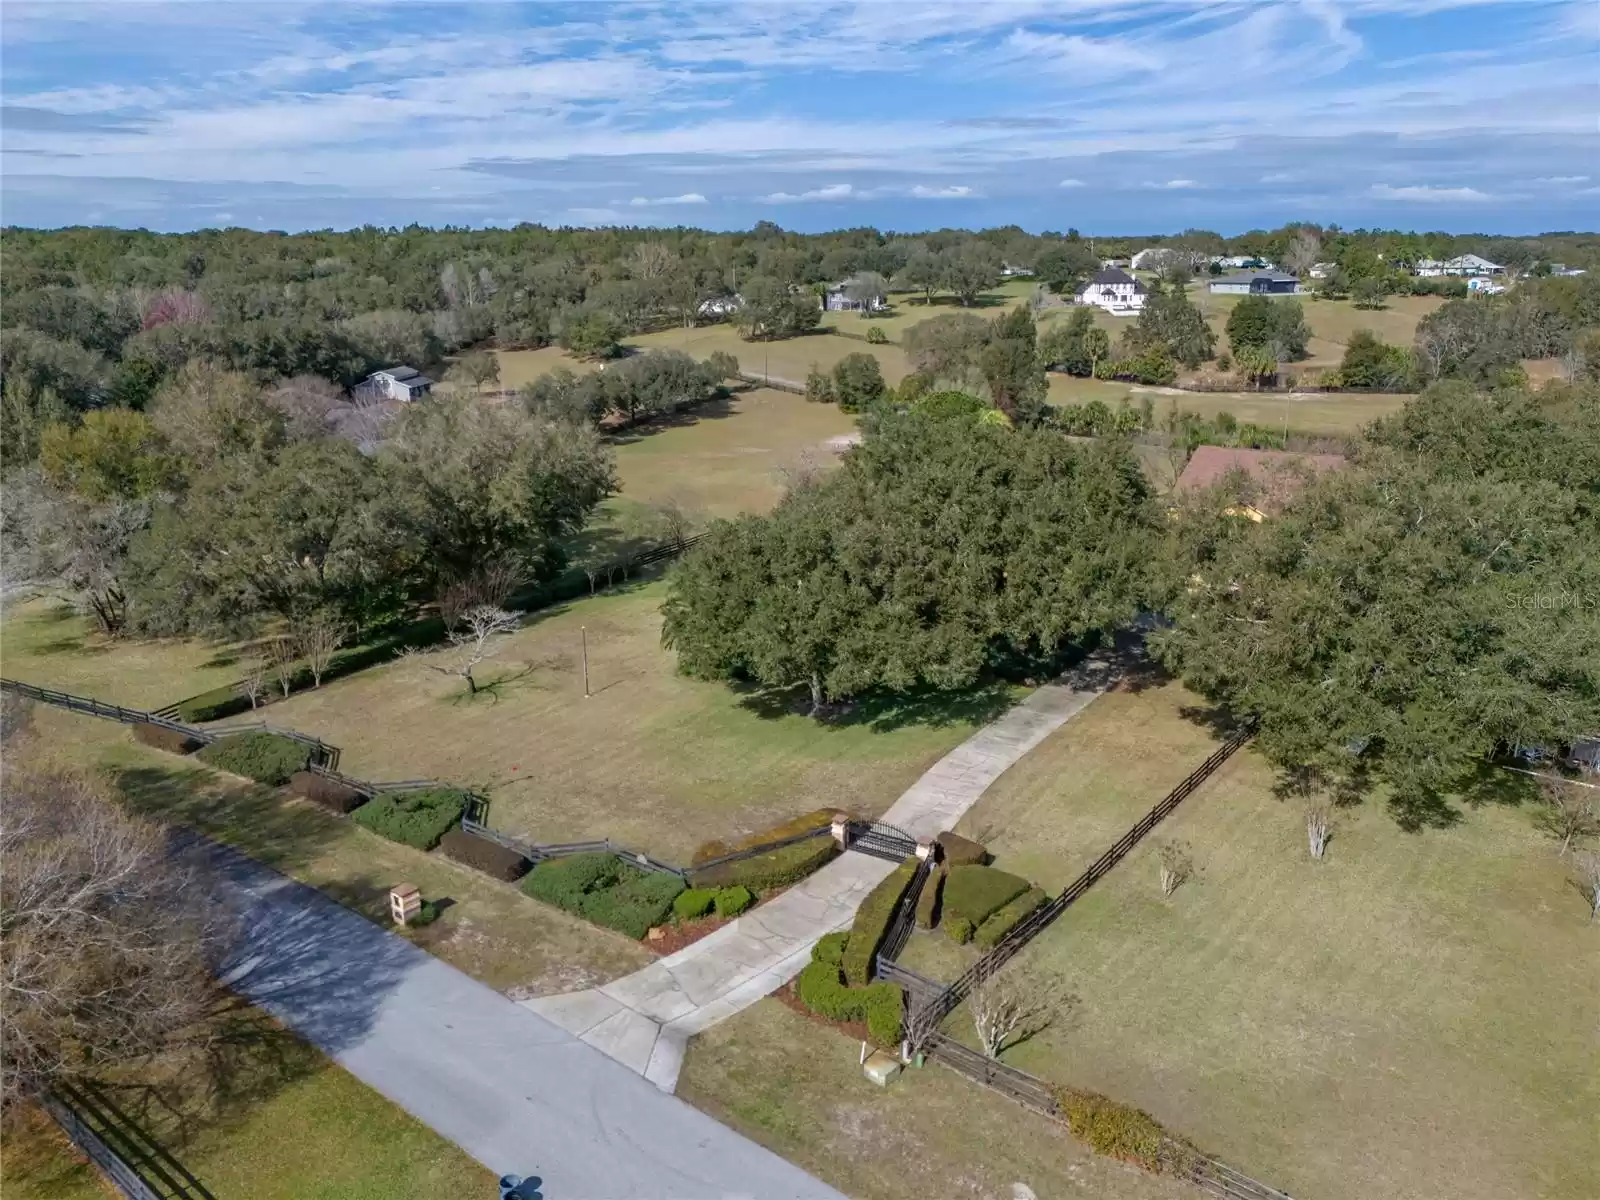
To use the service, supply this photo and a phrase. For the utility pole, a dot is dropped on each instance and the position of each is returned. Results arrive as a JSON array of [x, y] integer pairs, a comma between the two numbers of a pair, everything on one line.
[[583, 631]]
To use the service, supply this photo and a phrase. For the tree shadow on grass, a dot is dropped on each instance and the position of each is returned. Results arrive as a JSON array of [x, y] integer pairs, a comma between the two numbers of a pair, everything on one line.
[[718, 408], [886, 712]]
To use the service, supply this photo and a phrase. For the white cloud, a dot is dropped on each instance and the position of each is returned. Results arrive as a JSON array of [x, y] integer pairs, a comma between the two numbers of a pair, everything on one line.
[[954, 192], [1084, 58], [1559, 179], [833, 191], [1174, 185], [1429, 194], [1280, 177], [660, 201], [1071, 183]]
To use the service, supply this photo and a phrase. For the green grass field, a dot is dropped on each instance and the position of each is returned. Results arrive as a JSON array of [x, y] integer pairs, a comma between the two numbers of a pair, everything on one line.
[[281, 1122], [1412, 1017], [653, 759], [795, 1086]]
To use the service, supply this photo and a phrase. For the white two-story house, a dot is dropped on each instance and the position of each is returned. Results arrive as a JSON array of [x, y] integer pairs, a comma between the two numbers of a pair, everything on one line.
[[1114, 290]]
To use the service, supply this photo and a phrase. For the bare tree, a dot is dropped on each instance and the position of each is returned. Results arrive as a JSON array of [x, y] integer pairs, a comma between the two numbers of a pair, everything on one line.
[[1177, 864], [1319, 827], [308, 404], [1588, 880], [317, 637], [1302, 252], [1009, 1006], [676, 522], [491, 585], [109, 941], [1569, 814], [481, 636], [282, 658], [253, 687]]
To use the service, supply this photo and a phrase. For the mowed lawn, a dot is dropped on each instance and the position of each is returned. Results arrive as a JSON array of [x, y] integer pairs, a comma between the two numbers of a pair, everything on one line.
[[488, 929], [655, 760], [45, 641], [1412, 1017], [796, 1087], [282, 1122]]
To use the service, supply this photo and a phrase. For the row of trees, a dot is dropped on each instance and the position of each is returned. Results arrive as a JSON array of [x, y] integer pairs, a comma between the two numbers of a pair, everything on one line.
[[1394, 624], [636, 389]]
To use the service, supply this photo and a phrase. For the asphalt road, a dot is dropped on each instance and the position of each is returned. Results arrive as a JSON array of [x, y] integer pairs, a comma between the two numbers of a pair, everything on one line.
[[516, 1092]]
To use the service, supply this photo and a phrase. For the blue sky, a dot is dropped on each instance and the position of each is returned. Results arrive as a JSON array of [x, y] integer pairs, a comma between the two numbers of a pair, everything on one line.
[[1104, 115]]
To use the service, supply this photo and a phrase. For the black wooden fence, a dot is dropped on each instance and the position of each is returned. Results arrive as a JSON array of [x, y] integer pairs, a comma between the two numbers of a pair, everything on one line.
[[927, 1017], [904, 920], [1035, 1094], [321, 754], [136, 1164]]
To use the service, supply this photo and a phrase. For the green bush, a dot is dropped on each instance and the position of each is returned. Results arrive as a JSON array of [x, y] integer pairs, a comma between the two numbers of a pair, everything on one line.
[[957, 851], [830, 948], [332, 795], [959, 929], [877, 337], [265, 757], [161, 737], [734, 900], [872, 922], [975, 892], [774, 869], [928, 902], [493, 859], [415, 819], [1003, 918], [882, 1005], [426, 915], [604, 889], [638, 901], [692, 903]]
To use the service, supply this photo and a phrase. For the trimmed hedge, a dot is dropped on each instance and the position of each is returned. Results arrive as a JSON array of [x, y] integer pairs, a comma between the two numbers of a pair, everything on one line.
[[776, 868], [872, 922], [173, 741], [1003, 918], [822, 989], [1122, 1131], [329, 793], [693, 902], [265, 757], [415, 819], [493, 859], [975, 892], [958, 851], [604, 889], [959, 928], [928, 902], [830, 948], [734, 900]]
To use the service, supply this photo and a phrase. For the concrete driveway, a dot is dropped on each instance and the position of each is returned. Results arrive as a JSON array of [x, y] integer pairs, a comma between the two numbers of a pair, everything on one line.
[[518, 1093]]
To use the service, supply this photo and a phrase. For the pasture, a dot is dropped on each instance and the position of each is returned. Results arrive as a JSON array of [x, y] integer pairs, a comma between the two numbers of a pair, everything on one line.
[[653, 759], [1332, 322], [1411, 1016]]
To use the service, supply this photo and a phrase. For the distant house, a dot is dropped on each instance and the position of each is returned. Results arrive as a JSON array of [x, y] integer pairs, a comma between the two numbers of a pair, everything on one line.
[[1010, 272], [1485, 287], [836, 300], [1255, 283], [1585, 755], [1273, 477], [1563, 271], [1321, 270], [1115, 291], [719, 307], [1241, 262], [396, 383], [1149, 259], [1463, 264]]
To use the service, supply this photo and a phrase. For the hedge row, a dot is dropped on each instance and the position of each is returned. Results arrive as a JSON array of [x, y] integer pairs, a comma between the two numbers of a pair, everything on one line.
[[999, 922], [265, 757], [776, 868], [872, 922], [329, 793], [975, 892], [697, 902], [604, 889], [497, 861], [1122, 1131], [928, 902], [173, 741], [822, 989], [416, 819], [957, 851]]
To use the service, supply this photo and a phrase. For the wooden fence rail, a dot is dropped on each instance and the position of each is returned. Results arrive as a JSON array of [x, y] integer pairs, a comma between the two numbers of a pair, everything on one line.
[[137, 1166], [928, 1017]]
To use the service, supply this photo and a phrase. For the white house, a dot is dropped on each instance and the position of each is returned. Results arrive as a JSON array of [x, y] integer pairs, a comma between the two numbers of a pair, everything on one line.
[[1321, 270], [719, 307], [1463, 264], [1010, 272], [396, 383], [1562, 271], [1485, 287], [1149, 259], [1114, 290], [1241, 262], [837, 301]]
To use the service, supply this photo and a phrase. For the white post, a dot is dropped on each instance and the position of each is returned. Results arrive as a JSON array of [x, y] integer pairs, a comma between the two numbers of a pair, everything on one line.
[[841, 830]]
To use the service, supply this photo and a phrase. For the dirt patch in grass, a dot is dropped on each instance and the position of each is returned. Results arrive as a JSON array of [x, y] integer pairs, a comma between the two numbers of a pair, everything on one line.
[[796, 1086]]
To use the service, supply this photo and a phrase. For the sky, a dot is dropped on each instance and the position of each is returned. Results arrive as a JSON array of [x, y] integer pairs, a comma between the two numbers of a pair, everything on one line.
[[1108, 116]]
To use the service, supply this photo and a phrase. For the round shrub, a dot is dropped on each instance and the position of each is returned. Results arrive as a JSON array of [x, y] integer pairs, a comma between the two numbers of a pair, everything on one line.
[[884, 1005], [877, 337], [265, 757], [733, 901], [693, 902]]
